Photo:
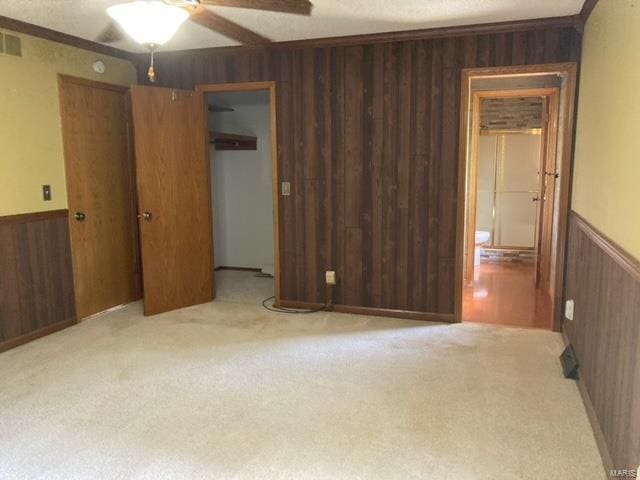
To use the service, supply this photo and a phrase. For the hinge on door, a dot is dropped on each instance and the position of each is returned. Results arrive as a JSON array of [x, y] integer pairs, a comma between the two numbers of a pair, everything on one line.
[[174, 95]]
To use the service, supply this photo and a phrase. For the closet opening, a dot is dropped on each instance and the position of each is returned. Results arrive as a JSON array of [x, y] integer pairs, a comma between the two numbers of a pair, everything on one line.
[[243, 169]]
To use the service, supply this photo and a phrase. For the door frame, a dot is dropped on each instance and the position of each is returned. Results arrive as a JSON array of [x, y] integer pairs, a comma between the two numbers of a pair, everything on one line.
[[474, 127], [63, 80], [568, 72], [269, 86]]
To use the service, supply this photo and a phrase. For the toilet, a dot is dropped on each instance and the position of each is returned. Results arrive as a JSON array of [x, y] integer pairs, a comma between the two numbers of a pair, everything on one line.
[[482, 237]]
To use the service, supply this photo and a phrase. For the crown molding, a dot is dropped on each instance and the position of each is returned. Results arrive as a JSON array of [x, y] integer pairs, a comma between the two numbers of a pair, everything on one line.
[[572, 21]]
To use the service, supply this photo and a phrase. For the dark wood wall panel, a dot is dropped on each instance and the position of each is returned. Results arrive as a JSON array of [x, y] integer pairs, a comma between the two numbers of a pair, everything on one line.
[[368, 136], [36, 280], [604, 282]]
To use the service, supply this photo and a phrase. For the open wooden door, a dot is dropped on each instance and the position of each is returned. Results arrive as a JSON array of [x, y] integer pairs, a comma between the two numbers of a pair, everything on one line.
[[172, 165], [547, 191]]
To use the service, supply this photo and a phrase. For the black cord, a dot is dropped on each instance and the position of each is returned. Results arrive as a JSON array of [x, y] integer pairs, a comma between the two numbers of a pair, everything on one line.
[[273, 308]]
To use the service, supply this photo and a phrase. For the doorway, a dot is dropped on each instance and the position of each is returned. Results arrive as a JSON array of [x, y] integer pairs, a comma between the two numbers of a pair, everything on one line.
[[175, 195], [244, 190], [100, 181], [515, 159]]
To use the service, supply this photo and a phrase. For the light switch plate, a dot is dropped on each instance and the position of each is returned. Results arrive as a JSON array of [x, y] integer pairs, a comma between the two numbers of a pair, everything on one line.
[[568, 309], [330, 277], [286, 189], [46, 192]]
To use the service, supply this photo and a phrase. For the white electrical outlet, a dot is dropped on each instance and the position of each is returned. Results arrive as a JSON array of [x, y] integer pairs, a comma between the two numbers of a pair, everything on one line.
[[330, 277], [568, 309]]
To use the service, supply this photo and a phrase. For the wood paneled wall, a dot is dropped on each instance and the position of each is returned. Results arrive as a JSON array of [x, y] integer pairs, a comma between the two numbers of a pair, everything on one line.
[[604, 282], [36, 279], [368, 136]]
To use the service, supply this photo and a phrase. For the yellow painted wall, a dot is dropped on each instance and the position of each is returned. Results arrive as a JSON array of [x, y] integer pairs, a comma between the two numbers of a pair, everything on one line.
[[606, 184], [30, 132]]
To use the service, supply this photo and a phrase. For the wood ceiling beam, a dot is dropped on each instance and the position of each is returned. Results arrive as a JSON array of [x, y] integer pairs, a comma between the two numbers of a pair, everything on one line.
[[587, 8]]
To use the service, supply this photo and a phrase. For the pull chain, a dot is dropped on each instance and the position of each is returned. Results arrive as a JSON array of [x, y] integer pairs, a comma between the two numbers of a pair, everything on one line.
[[152, 73]]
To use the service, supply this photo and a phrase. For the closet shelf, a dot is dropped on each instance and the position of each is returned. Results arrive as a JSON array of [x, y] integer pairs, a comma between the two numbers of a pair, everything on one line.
[[231, 141]]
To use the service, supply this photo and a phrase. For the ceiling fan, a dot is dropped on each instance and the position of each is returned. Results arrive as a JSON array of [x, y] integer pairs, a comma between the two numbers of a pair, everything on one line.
[[153, 22]]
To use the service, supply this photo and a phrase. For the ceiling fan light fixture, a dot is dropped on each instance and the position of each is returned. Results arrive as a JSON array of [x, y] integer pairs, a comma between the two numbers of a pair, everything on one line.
[[151, 23]]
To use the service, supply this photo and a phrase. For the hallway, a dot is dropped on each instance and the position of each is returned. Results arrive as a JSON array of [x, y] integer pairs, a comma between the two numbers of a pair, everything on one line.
[[503, 293]]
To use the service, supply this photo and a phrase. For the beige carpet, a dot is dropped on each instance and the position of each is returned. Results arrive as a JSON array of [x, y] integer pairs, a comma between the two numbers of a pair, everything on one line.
[[230, 391], [242, 287]]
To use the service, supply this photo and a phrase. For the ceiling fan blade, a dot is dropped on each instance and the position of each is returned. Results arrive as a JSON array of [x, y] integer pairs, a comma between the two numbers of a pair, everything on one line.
[[111, 33], [206, 18], [298, 7]]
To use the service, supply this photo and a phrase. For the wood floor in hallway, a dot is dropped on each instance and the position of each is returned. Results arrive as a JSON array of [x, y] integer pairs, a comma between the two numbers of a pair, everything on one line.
[[503, 293]]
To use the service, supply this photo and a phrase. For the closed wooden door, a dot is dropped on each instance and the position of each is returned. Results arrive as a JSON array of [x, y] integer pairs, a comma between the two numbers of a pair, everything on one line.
[[101, 194], [172, 169]]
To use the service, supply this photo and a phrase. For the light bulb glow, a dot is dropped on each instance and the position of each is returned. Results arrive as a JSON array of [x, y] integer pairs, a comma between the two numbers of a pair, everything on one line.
[[149, 22]]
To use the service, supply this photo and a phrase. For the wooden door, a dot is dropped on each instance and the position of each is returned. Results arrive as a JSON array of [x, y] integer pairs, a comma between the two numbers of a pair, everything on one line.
[[547, 193], [101, 194], [172, 170]]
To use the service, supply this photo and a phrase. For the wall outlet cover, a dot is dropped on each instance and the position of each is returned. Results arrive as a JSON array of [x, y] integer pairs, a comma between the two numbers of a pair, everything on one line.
[[568, 309], [330, 277]]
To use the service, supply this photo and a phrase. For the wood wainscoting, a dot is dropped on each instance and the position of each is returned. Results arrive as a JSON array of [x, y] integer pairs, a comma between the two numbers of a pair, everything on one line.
[[604, 282], [368, 137], [36, 279]]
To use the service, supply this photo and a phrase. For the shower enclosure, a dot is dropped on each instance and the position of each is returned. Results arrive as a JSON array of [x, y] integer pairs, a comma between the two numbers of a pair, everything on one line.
[[507, 188]]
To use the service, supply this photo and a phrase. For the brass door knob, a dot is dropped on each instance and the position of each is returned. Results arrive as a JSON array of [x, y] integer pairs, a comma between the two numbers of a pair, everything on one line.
[[146, 216], [80, 216]]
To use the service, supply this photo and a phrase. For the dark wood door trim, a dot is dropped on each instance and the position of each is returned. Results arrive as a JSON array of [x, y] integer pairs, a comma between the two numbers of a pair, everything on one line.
[[270, 86], [567, 97]]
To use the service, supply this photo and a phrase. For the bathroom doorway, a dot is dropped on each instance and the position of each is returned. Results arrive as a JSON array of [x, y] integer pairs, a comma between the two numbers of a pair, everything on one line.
[[516, 155]]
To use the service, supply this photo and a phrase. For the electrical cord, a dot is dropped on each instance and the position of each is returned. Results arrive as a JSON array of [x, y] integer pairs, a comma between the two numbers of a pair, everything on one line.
[[273, 308], [327, 307]]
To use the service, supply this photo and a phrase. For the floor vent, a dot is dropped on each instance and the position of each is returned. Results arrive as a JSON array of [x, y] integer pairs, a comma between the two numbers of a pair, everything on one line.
[[569, 362]]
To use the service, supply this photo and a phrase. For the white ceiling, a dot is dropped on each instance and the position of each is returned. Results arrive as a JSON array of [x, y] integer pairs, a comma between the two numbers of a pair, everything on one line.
[[85, 18]]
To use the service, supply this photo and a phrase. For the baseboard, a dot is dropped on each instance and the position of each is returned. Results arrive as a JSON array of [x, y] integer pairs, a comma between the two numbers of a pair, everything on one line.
[[108, 310], [375, 312], [593, 420], [41, 332]]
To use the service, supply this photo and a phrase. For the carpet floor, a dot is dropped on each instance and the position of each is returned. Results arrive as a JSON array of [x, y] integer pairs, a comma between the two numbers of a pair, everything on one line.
[[230, 391]]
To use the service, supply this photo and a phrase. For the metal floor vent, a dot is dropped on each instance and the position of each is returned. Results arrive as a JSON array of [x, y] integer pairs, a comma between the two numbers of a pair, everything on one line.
[[569, 362]]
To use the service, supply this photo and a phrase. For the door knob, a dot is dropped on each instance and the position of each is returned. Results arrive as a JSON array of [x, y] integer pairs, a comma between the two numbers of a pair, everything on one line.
[[146, 216], [79, 216], [535, 199]]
